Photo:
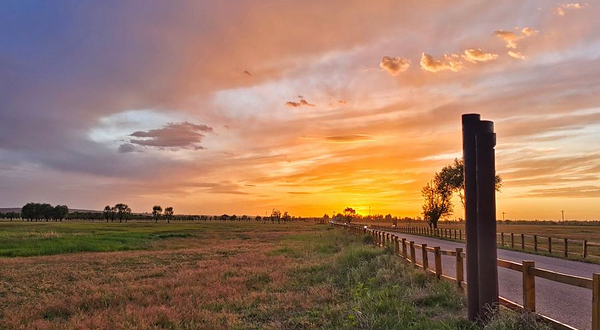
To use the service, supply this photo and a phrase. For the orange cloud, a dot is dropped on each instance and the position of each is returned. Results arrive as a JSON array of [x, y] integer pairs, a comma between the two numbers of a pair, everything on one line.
[[560, 11], [511, 38], [516, 54], [477, 55], [450, 62], [394, 65]]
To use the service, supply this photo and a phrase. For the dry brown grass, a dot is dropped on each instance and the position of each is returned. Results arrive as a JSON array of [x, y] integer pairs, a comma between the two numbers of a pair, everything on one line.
[[208, 283]]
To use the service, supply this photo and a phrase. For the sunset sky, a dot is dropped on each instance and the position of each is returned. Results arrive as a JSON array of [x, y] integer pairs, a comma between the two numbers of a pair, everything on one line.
[[240, 107]]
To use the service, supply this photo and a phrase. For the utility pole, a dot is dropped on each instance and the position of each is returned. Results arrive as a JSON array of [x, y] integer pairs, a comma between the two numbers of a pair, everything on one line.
[[503, 214], [563, 216]]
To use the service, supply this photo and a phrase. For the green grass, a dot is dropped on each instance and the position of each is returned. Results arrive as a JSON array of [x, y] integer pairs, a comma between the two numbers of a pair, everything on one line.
[[380, 291], [22, 239]]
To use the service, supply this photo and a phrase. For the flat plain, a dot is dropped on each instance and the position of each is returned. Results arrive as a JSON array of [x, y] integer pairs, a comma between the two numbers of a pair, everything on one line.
[[219, 275]]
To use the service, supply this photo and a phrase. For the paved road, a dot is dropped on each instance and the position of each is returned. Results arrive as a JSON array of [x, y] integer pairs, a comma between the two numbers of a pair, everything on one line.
[[568, 304]]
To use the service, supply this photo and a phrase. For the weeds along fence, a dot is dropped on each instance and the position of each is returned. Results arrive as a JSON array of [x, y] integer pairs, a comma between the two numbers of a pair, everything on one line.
[[408, 250], [568, 248]]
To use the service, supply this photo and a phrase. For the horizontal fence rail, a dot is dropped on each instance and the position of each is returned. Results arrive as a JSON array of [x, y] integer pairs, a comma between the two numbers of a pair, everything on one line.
[[566, 247], [408, 250]]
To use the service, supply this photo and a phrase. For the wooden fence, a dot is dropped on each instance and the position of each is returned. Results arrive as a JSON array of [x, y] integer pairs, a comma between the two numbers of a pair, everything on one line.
[[408, 250], [525, 242]]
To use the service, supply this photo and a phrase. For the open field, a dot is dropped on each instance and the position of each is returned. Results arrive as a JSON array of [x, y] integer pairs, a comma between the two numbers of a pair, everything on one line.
[[221, 276]]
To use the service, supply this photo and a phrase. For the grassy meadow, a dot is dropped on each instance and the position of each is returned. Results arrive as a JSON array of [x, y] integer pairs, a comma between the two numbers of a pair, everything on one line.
[[219, 275]]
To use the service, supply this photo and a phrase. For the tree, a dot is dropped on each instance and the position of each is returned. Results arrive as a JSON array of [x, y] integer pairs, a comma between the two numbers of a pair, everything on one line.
[[276, 215], [156, 211], [28, 211], [123, 211], [437, 203], [108, 213], [453, 178], [349, 213], [169, 213], [61, 212]]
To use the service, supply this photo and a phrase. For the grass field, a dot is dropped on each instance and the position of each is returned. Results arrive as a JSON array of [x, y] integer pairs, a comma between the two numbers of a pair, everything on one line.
[[217, 276]]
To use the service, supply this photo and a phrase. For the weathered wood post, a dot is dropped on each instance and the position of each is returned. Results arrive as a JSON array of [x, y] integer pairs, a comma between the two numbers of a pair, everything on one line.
[[535, 243], [470, 123], [438, 261], [502, 239], [396, 246], [459, 267], [596, 302], [404, 254], [528, 286], [585, 249], [566, 248], [424, 257], [549, 244], [413, 254], [523, 242], [512, 240], [486, 218]]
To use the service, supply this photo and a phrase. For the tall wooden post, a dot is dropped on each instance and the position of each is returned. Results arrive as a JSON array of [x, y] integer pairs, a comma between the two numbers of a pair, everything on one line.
[[470, 123], [486, 218]]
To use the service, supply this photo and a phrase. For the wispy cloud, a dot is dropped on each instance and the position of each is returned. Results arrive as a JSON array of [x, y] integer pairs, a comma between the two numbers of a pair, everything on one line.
[[173, 135], [562, 9], [300, 103]]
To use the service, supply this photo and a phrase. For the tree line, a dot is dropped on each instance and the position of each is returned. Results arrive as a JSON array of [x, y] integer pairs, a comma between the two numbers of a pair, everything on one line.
[[121, 212]]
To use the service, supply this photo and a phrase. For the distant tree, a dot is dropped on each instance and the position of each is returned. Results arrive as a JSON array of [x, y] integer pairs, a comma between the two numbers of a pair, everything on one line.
[[156, 211], [286, 217], [437, 202], [169, 213], [61, 212], [123, 211], [107, 213], [275, 216], [47, 211], [257, 218], [349, 213], [28, 211]]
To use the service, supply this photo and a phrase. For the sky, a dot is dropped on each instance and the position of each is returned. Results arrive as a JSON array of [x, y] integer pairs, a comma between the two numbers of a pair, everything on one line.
[[240, 107]]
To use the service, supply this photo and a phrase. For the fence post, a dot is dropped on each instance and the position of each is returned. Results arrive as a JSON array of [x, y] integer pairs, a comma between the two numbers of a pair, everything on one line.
[[512, 240], [413, 255], [528, 286], [523, 242], [396, 246], [585, 248], [502, 239], [460, 234], [566, 248], [424, 257], [549, 244], [535, 243], [404, 254], [596, 302], [460, 277], [438, 262]]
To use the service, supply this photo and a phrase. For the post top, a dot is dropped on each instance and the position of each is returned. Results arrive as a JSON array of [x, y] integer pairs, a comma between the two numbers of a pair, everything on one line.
[[471, 117]]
